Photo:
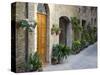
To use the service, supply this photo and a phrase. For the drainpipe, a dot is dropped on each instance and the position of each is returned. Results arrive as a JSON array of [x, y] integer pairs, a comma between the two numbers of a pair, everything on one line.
[[26, 39]]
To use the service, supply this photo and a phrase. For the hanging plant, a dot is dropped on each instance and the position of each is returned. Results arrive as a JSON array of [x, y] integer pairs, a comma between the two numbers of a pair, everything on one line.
[[55, 29], [28, 24], [58, 31]]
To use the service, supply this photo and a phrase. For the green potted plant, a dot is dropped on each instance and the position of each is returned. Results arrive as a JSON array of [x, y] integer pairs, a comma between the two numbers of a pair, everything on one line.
[[59, 52], [55, 29], [65, 52], [34, 62], [83, 43], [76, 45], [28, 24], [58, 31], [55, 54]]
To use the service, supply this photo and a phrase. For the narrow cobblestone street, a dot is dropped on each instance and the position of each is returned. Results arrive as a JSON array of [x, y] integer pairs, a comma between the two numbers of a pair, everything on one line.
[[84, 60]]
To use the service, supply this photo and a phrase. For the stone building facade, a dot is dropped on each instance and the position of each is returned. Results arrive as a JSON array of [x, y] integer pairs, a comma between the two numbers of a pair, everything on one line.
[[53, 14]]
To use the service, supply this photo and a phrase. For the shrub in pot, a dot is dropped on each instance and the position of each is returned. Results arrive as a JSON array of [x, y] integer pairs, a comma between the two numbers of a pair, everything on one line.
[[34, 63], [59, 52], [83, 43], [56, 53], [55, 29], [76, 47]]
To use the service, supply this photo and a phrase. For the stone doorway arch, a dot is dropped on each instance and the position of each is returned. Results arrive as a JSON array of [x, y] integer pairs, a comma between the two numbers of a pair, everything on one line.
[[65, 36]]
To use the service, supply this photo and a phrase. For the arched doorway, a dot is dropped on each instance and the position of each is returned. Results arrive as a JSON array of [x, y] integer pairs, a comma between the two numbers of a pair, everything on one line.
[[65, 36], [42, 31]]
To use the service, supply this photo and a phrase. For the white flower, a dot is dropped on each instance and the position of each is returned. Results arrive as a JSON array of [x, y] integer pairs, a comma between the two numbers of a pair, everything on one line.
[[24, 28], [31, 28], [27, 20]]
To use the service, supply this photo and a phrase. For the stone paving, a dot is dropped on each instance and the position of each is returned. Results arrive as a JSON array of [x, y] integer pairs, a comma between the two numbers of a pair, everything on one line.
[[84, 60]]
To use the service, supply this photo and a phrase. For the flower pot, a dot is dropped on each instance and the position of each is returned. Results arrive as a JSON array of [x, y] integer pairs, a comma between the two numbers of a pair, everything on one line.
[[52, 32], [54, 61], [58, 32]]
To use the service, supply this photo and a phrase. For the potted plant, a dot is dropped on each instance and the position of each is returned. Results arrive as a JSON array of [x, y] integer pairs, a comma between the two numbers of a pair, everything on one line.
[[55, 29], [58, 31], [76, 45], [34, 63], [83, 43], [59, 52], [65, 52], [28, 24]]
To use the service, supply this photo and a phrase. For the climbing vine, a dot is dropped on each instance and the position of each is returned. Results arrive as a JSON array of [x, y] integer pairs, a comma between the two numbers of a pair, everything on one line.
[[76, 26]]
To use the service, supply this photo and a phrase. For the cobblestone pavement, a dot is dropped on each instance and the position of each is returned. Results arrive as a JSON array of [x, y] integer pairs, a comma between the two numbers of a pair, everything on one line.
[[84, 60]]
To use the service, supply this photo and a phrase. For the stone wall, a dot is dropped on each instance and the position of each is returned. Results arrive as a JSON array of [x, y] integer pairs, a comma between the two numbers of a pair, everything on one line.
[[89, 14], [31, 38], [20, 35], [20, 38], [56, 11]]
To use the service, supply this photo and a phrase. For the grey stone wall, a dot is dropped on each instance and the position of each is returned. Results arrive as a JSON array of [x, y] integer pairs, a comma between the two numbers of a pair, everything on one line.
[[20, 38], [89, 14], [31, 38], [20, 35], [56, 11]]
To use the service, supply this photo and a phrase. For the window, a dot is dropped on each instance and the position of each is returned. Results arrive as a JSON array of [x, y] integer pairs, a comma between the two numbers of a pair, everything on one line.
[[41, 8], [84, 9]]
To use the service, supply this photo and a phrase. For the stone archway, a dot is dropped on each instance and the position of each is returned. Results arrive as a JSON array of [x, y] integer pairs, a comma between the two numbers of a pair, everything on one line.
[[65, 36]]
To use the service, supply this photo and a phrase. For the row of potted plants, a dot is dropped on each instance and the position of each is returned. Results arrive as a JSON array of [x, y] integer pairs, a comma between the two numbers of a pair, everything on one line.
[[87, 39], [59, 51]]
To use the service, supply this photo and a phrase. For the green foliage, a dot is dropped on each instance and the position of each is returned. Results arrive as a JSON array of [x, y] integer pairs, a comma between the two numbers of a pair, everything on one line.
[[34, 62], [25, 25], [89, 36], [76, 45], [60, 51], [55, 29], [83, 43], [77, 28], [76, 24]]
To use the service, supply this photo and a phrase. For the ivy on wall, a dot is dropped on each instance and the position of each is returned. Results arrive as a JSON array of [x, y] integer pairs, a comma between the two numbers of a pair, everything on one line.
[[76, 27]]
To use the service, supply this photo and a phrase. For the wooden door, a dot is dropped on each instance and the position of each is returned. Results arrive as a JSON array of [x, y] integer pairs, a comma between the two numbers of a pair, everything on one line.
[[41, 36], [62, 36]]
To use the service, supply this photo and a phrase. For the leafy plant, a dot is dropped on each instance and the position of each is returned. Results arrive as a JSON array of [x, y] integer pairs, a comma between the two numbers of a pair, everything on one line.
[[55, 29], [92, 31], [60, 51], [83, 43], [34, 62], [76, 46], [76, 26], [27, 25]]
